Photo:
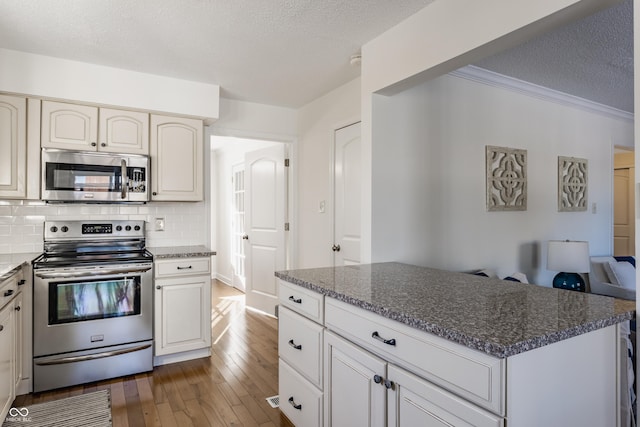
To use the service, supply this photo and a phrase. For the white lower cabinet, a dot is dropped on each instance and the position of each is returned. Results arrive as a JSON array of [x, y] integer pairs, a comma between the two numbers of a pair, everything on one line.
[[182, 324], [362, 389], [7, 359], [354, 385]]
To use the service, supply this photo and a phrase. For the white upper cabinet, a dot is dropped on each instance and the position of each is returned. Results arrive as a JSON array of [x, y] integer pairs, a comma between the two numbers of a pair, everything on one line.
[[87, 128], [123, 131], [176, 149], [13, 146], [69, 126]]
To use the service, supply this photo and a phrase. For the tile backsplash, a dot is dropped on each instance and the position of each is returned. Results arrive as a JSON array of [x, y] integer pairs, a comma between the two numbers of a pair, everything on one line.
[[22, 222]]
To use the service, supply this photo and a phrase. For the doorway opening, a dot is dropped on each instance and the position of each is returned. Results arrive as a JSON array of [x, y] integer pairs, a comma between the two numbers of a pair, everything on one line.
[[624, 202], [249, 187]]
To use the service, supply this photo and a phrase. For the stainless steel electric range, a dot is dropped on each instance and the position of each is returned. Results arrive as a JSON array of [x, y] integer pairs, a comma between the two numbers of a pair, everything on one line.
[[92, 303]]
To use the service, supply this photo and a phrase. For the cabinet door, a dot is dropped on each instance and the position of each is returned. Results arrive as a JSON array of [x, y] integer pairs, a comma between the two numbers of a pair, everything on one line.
[[69, 126], [354, 385], [414, 401], [182, 315], [7, 365], [176, 149], [123, 131], [13, 146]]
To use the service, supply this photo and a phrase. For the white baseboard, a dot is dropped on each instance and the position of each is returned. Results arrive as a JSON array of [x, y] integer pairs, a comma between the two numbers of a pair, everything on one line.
[[224, 279], [181, 357]]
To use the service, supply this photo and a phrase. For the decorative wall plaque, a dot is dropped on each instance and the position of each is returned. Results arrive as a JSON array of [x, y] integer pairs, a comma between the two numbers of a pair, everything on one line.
[[506, 179], [572, 184]]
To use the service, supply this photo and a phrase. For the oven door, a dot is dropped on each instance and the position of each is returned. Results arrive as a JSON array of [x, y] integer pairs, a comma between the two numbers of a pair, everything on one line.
[[91, 307], [93, 177]]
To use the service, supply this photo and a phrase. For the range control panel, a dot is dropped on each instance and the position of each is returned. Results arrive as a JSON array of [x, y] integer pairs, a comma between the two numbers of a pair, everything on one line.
[[78, 230]]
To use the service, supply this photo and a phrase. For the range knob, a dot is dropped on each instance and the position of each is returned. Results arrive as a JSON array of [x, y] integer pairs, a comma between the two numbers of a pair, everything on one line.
[[128, 228], [53, 229], [137, 228], [118, 228], [64, 228]]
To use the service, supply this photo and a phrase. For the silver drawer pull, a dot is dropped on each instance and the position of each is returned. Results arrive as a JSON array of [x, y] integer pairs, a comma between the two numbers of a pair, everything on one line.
[[185, 268], [294, 345], [377, 336], [293, 403], [297, 301]]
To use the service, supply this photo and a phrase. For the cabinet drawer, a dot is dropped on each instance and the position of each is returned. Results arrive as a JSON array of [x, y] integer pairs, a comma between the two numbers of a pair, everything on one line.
[[301, 300], [9, 288], [471, 374], [300, 344], [182, 267], [295, 390]]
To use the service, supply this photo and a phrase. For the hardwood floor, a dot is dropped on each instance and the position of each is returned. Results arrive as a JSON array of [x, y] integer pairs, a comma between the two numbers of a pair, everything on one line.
[[227, 389]]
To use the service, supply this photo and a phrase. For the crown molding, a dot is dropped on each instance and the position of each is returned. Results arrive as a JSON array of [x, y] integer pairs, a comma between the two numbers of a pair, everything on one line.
[[480, 75]]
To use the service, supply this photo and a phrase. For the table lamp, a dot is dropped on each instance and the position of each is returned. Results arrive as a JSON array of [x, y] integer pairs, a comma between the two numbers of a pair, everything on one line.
[[569, 258]]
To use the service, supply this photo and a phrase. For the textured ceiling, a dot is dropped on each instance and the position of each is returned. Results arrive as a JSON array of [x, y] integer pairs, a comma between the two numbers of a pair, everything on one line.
[[591, 58], [278, 52], [289, 52]]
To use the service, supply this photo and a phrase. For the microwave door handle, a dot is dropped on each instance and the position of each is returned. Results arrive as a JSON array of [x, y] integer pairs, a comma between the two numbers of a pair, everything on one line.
[[123, 172]]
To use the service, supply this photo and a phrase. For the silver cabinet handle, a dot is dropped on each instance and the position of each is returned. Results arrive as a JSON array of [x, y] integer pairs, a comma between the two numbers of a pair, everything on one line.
[[123, 172]]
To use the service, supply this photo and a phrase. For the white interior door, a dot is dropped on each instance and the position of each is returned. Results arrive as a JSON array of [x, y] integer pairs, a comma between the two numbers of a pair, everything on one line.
[[265, 190], [237, 227], [346, 213]]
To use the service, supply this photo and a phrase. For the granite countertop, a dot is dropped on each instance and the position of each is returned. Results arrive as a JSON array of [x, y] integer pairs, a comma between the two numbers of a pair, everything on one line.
[[181, 252], [10, 263], [497, 317]]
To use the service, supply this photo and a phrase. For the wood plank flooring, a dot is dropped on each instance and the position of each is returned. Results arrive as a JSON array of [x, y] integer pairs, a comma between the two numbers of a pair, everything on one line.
[[227, 389]]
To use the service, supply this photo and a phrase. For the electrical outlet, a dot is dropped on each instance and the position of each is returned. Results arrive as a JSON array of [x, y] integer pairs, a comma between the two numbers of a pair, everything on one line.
[[159, 224]]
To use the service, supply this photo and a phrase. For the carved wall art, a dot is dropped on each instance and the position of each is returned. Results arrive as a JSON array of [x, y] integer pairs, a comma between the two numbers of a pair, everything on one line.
[[506, 179], [572, 184]]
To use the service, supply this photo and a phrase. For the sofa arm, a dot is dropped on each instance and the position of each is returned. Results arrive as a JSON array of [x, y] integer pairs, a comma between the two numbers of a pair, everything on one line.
[[610, 290]]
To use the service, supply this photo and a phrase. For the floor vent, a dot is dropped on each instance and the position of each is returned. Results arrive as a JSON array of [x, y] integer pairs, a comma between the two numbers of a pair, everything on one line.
[[274, 401]]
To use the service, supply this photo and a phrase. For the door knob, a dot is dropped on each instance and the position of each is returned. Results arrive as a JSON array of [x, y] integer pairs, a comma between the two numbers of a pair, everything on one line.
[[336, 248], [245, 237]]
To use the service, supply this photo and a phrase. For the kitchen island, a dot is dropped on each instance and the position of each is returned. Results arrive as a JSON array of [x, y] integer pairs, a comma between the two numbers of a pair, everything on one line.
[[480, 351]]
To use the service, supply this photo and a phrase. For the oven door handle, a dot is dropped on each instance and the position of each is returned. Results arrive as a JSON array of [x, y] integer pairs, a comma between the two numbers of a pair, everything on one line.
[[84, 273], [102, 355]]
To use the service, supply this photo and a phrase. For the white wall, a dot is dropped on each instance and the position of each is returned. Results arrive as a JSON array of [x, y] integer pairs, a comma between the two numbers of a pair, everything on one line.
[[317, 122], [48, 77], [429, 176], [442, 37]]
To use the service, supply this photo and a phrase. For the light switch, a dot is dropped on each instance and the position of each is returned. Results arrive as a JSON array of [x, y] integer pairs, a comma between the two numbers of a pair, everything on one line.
[[321, 206]]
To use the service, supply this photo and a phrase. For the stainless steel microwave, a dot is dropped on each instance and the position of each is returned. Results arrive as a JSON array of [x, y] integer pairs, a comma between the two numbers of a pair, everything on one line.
[[78, 176]]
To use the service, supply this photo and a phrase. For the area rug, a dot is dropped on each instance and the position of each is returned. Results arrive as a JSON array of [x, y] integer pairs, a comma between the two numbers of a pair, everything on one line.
[[85, 410]]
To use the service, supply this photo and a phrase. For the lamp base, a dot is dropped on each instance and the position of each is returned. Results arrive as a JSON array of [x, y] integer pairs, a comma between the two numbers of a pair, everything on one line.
[[570, 281]]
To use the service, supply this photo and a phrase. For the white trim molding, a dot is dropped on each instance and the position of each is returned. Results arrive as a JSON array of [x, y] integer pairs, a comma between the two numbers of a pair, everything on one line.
[[481, 75]]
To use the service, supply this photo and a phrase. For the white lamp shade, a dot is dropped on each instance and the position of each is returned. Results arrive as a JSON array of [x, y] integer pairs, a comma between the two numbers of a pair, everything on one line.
[[568, 256]]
